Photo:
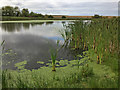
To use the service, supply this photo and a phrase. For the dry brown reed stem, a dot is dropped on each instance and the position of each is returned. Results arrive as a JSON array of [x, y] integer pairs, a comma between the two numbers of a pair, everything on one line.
[[98, 59]]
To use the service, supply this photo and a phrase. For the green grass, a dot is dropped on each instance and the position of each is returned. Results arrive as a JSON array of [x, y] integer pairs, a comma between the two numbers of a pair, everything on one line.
[[11, 18], [31, 21], [100, 37], [90, 75]]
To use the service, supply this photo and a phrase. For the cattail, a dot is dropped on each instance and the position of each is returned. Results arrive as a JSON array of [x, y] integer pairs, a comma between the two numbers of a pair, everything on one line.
[[107, 26], [78, 42], [94, 43], [73, 37], [98, 59], [80, 36], [113, 47], [84, 45], [87, 65], [53, 67], [102, 58], [95, 50], [105, 49], [110, 46]]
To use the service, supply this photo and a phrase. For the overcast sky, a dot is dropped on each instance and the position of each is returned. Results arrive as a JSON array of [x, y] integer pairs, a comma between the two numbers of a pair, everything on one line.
[[67, 7]]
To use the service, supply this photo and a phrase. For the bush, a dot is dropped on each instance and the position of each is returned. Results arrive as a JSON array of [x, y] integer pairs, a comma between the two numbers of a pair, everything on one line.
[[97, 16], [63, 16], [50, 16], [87, 71]]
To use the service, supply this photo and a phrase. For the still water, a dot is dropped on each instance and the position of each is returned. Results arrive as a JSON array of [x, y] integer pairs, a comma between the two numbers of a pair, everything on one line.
[[31, 42]]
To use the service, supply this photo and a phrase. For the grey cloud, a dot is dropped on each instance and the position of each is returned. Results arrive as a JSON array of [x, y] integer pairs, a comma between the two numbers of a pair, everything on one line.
[[89, 8], [80, 8]]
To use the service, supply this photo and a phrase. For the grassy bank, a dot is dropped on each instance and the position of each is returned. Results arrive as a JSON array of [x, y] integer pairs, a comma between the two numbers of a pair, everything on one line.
[[8, 18], [32, 21], [89, 75]]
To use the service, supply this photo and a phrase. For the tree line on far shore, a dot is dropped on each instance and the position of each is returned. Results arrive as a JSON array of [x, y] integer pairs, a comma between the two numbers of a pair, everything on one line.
[[16, 12]]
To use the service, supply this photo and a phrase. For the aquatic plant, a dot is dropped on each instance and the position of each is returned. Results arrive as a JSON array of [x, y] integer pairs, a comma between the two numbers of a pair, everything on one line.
[[53, 53], [99, 35], [90, 75], [53, 58], [2, 42]]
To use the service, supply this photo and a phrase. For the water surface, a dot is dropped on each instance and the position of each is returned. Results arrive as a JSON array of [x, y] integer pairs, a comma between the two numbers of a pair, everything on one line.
[[31, 42]]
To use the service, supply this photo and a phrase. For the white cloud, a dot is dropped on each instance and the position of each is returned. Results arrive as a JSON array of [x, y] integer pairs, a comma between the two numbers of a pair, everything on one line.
[[71, 7], [53, 2]]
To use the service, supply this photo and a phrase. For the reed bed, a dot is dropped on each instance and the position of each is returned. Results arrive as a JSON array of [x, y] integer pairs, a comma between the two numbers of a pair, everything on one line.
[[99, 36]]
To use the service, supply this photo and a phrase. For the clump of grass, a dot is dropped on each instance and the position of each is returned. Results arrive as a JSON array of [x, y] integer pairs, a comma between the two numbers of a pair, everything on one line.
[[2, 42], [4, 79], [53, 53], [103, 82], [87, 71], [53, 58]]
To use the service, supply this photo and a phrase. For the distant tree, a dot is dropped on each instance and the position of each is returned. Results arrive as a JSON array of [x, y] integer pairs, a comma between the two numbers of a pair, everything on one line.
[[35, 15], [97, 16], [50, 16], [3, 11], [114, 17], [31, 14], [25, 12], [7, 11], [63, 16], [17, 11], [40, 15], [46, 16]]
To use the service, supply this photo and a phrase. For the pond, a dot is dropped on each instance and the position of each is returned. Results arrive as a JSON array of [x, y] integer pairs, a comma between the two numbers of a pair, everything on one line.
[[32, 42]]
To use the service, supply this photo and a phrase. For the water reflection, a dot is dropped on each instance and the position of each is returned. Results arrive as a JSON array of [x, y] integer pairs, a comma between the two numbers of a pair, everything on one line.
[[11, 27], [30, 48], [49, 23], [63, 22], [26, 26], [40, 23], [31, 42]]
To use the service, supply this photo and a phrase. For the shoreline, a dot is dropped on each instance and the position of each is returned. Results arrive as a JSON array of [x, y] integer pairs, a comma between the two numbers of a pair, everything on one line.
[[29, 21]]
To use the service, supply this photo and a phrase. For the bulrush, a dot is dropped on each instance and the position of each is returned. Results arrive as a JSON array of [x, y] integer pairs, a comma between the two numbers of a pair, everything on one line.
[[98, 59], [99, 35]]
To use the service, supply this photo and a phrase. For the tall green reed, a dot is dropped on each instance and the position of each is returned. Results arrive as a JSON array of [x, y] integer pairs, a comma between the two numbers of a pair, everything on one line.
[[54, 53], [100, 35]]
